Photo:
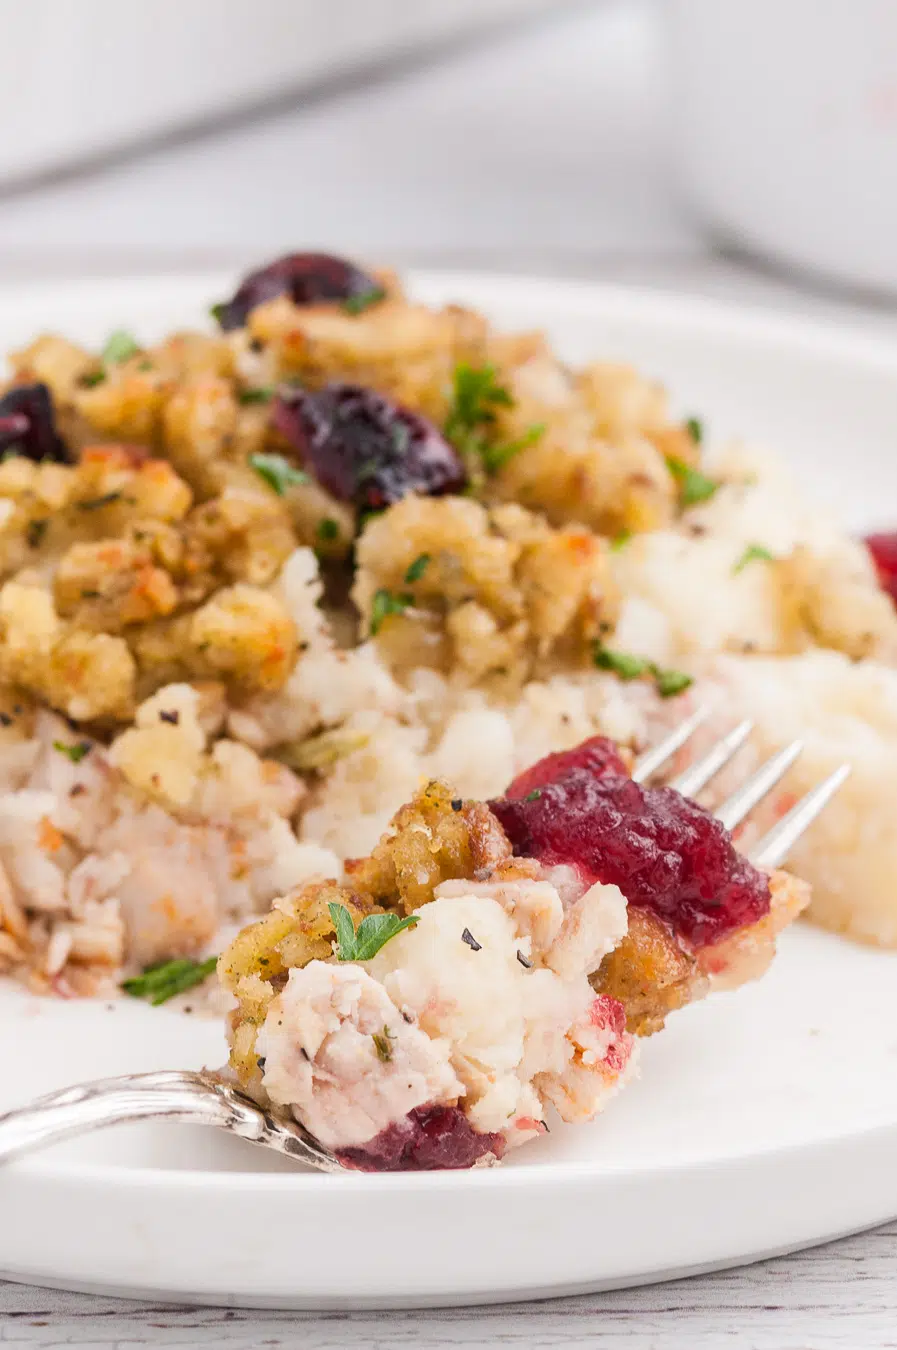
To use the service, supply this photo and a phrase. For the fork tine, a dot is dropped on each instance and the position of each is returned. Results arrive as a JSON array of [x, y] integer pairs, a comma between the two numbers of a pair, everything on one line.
[[772, 850], [708, 766], [657, 756], [745, 798]]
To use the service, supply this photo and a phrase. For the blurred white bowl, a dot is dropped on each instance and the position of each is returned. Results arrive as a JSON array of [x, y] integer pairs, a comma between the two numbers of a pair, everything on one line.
[[785, 128], [85, 76]]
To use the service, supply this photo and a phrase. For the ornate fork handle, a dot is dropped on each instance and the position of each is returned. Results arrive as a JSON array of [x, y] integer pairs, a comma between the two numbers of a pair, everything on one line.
[[183, 1097]]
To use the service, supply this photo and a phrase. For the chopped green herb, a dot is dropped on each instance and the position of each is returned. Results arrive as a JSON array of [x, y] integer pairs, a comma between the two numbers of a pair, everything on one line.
[[630, 667], [92, 378], [624, 664], [357, 304], [161, 982], [753, 553], [620, 540], [694, 486], [217, 311], [364, 517], [374, 931], [120, 346], [382, 1044], [277, 472], [35, 531], [74, 752], [145, 366], [385, 603], [671, 682], [263, 394], [695, 428], [97, 503], [534, 795], [417, 568], [495, 457], [476, 395], [11, 453], [327, 530]]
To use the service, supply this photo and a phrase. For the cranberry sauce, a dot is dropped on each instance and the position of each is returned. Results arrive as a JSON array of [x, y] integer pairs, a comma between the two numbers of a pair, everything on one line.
[[28, 424], [665, 853], [883, 548], [307, 278], [364, 448], [599, 755], [429, 1138]]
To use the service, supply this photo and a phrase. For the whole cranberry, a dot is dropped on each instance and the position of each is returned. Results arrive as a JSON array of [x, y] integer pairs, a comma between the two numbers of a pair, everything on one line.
[[428, 1139], [28, 424], [883, 548], [364, 448], [665, 852], [307, 278]]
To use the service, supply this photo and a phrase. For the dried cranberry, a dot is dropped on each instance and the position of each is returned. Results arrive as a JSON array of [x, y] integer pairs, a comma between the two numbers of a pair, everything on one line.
[[364, 448], [307, 278], [665, 852], [429, 1138], [598, 755], [28, 424], [883, 548]]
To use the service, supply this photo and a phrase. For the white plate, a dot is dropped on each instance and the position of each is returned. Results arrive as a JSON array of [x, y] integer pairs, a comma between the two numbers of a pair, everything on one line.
[[764, 1120]]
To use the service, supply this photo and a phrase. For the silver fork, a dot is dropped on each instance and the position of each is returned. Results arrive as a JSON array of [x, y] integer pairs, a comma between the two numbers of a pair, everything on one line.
[[211, 1098]]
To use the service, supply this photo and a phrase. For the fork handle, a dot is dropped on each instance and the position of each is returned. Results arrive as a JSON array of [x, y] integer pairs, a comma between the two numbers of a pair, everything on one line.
[[189, 1098]]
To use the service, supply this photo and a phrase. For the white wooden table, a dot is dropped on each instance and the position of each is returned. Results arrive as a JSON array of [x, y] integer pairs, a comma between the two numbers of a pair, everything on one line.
[[840, 1297], [541, 151]]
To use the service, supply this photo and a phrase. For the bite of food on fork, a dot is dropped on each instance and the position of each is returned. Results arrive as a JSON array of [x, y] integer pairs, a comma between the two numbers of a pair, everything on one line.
[[487, 964]]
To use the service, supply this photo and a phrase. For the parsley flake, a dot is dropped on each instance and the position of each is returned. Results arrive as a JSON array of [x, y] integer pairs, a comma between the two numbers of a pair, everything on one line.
[[161, 982], [495, 457], [277, 472], [357, 304], [217, 311], [534, 795], [694, 486], [417, 568], [263, 394], [374, 931], [624, 664], [620, 541], [753, 553], [668, 682], [327, 530], [695, 428], [385, 603], [74, 752], [92, 378], [382, 1045], [476, 394], [671, 682], [120, 346]]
